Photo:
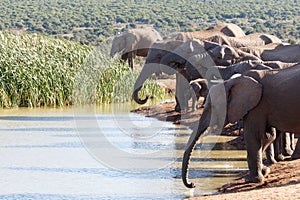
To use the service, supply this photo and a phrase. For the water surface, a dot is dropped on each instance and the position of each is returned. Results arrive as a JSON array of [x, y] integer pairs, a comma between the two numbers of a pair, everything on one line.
[[105, 153]]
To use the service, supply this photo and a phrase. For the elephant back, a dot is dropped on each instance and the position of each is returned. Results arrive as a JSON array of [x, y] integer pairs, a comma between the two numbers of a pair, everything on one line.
[[228, 29]]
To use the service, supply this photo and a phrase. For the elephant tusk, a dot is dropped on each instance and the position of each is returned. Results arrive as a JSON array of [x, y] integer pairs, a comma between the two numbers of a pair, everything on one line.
[[217, 81]]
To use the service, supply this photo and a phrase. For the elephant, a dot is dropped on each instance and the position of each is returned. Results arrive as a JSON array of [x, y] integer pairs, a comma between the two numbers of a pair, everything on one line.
[[280, 52], [254, 39], [271, 52], [263, 99], [283, 144], [151, 66], [223, 29], [134, 42], [192, 58], [281, 147], [161, 48], [198, 88], [225, 55], [221, 72]]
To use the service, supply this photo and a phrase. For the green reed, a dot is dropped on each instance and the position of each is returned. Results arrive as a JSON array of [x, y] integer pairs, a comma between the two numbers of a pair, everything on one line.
[[102, 79], [43, 71]]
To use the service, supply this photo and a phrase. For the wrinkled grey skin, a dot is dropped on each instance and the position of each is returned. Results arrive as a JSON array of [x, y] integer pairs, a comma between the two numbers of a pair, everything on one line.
[[271, 52], [134, 42], [151, 66], [267, 106], [254, 39], [192, 58], [282, 145], [220, 72], [225, 55], [198, 89]]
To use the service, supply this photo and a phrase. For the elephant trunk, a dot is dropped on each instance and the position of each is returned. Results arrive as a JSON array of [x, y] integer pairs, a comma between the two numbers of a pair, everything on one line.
[[146, 72], [203, 125], [137, 98]]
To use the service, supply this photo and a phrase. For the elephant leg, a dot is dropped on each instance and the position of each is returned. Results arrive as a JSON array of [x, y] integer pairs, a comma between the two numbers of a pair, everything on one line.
[[254, 157], [296, 154], [272, 149], [240, 126], [203, 103], [292, 135], [278, 147], [130, 60], [270, 155], [177, 94], [181, 86], [287, 144], [124, 58], [194, 102]]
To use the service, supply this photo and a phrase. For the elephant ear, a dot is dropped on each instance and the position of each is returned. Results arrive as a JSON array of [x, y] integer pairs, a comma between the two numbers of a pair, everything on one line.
[[130, 42], [243, 94], [202, 59]]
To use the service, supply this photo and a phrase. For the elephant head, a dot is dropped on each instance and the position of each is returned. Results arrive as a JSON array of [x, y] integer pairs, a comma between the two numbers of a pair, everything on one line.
[[216, 74], [151, 66], [190, 56], [118, 45], [226, 103], [225, 55], [123, 44]]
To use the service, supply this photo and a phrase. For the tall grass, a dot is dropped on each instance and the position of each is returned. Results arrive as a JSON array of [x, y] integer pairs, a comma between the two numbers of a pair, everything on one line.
[[102, 79], [42, 71]]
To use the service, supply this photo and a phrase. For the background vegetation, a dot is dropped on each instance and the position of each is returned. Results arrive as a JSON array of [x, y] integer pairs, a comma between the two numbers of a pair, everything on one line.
[[47, 46], [92, 21], [44, 71]]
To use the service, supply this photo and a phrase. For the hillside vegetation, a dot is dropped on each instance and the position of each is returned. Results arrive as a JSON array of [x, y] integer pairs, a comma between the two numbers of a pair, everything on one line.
[[92, 21]]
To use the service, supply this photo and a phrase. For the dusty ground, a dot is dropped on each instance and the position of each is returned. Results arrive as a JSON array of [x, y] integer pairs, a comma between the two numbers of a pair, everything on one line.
[[282, 183]]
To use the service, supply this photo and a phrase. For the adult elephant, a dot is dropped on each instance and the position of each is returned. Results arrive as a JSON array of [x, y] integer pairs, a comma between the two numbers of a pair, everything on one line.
[[271, 52], [224, 73], [263, 99], [283, 146], [223, 29], [254, 39], [151, 66], [134, 42], [285, 53], [192, 61], [193, 58], [159, 49]]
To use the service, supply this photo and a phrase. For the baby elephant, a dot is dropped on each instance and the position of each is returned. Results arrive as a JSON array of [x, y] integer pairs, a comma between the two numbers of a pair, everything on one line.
[[198, 89]]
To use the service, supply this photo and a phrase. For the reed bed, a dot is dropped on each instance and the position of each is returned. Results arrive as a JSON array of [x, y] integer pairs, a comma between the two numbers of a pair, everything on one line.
[[102, 79], [44, 71]]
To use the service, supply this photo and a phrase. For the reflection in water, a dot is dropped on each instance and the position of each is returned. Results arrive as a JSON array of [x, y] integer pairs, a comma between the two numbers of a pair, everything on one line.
[[45, 156]]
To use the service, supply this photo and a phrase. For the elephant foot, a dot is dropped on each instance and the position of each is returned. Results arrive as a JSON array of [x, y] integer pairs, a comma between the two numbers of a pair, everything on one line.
[[254, 179], [177, 108], [280, 157], [295, 156], [266, 171], [270, 161], [288, 152]]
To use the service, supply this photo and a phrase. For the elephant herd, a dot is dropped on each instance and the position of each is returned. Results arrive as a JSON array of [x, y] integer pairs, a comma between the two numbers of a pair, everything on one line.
[[254, 78]]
